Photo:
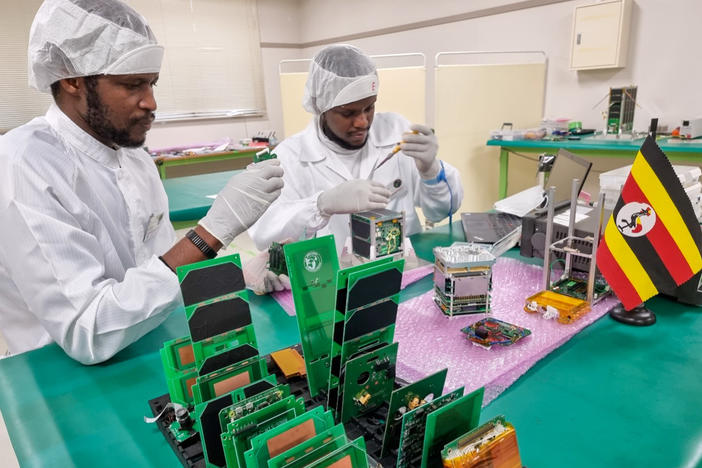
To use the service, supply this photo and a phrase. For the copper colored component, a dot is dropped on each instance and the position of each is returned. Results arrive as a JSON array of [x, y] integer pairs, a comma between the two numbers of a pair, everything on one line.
[[290, 438], [343, 463], [185, 353], [231, 383]]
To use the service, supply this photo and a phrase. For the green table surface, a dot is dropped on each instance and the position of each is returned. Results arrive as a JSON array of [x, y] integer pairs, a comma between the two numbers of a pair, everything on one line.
[[189, 197], [612, 396], [602, 144]]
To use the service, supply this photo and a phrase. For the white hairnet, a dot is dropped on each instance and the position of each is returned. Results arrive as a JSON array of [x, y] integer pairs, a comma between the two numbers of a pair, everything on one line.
[[339, 74], [71, 38]]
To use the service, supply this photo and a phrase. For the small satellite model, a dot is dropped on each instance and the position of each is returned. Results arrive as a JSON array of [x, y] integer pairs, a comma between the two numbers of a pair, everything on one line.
[[620, 112], [463, 279]]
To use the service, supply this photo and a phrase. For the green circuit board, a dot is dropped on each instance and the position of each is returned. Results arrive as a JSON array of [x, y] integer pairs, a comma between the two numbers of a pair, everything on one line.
[[312, 267], [448, 422], [236, 440], [406, 399], [352, 454], [305, 452], [364, 319], [409, 452], [367, 382], [287, 435]]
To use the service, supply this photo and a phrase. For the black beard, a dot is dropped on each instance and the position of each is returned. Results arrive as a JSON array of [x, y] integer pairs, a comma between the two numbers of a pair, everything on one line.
[[332, 136], [97, 120]]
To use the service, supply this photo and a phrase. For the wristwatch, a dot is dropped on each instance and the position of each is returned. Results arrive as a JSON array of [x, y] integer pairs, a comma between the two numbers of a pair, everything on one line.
[[200, 243], [441, 176]]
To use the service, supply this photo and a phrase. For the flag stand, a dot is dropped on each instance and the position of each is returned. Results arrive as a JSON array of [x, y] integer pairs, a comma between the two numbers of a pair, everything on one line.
[[640, 316]]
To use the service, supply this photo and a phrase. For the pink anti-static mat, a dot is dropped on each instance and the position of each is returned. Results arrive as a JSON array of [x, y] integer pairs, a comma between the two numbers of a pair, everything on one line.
[[285, 298], [430, 341]]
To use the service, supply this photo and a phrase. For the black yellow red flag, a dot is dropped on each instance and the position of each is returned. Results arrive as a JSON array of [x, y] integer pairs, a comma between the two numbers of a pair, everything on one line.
[[653, 240]]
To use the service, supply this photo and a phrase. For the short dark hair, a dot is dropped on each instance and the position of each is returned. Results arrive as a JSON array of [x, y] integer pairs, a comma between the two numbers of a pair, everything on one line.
[[55, 87]]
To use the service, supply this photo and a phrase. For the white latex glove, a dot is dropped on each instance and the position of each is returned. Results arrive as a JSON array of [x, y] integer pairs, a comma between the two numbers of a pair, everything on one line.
[[243, 200], [260, 279], [423, 146], [353, 196]]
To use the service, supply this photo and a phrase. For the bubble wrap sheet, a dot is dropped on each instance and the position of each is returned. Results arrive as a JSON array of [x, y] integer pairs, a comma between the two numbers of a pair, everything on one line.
[[285, 298], [430, 341]]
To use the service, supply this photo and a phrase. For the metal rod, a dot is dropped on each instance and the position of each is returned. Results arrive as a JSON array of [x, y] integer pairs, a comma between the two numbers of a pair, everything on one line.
[[547, 242], [595, 243], [571, 224]]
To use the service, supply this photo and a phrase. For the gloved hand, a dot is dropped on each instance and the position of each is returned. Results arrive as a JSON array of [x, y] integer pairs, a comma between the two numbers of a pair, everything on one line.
[[353, 196], [423, 147], [243, 200], [260, 279]]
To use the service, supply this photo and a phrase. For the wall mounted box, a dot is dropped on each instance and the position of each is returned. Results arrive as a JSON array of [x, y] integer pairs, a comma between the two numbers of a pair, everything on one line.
[[600, 35]]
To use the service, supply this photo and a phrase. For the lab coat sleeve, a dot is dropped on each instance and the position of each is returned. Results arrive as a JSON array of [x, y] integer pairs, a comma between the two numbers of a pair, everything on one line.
[[59, 269], [436, 200], [294, 215]]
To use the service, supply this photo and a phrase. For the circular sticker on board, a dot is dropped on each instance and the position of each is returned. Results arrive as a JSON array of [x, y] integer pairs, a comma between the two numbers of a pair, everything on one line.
[[636, 219], [312, 261]]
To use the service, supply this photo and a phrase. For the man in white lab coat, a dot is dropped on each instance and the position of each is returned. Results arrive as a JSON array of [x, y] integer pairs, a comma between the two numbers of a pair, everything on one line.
[[330, 166], [87, 254]]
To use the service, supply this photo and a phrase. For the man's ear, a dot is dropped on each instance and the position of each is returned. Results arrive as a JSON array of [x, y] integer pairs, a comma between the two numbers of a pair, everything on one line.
[[72, 86]]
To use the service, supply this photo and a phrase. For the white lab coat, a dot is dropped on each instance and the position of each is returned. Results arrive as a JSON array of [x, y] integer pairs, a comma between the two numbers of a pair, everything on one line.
[[82, 228], [311, 167]]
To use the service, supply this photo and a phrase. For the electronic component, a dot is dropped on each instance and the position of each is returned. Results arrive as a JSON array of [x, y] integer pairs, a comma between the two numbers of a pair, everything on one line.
[[691, 128], [367, 382], [576, 286], [236, 439], [620, 112], [311, 449], [312, 267], [230, 378], [377, 233], [406, 399], [264, 155], [490, 331], [409, 452], [351, 455], [462, 279], [290, 362], [448, 422], [552, 305], [287, 435], [492, 444], [364, 320]]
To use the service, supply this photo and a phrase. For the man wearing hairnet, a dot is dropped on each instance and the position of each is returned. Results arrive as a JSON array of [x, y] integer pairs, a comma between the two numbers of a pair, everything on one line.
[[332, 167], [87, 254]]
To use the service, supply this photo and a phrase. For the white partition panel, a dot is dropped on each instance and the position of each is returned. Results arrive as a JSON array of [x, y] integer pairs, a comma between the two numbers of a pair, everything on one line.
[[471, 100]]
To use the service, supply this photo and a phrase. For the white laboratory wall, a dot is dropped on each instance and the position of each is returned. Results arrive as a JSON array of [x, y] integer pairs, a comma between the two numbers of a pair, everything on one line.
[[663, 55], [663, 51]]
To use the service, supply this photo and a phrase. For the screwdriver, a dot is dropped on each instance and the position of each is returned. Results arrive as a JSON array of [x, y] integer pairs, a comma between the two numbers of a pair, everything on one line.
[[395, 150]]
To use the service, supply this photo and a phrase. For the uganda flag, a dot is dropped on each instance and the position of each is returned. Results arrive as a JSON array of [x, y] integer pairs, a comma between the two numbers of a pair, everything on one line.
[[653, 240]]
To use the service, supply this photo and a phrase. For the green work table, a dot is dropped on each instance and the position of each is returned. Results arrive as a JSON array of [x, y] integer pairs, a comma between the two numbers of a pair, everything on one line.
[[190, 197], [190, 164], [689, 151], [612, 396]]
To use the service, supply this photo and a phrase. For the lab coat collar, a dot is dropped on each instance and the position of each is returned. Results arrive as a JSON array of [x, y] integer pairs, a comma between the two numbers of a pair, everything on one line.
[[79, 138]]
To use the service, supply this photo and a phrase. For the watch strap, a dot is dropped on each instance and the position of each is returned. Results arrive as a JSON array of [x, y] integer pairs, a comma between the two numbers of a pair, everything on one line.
[[200, 243]]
